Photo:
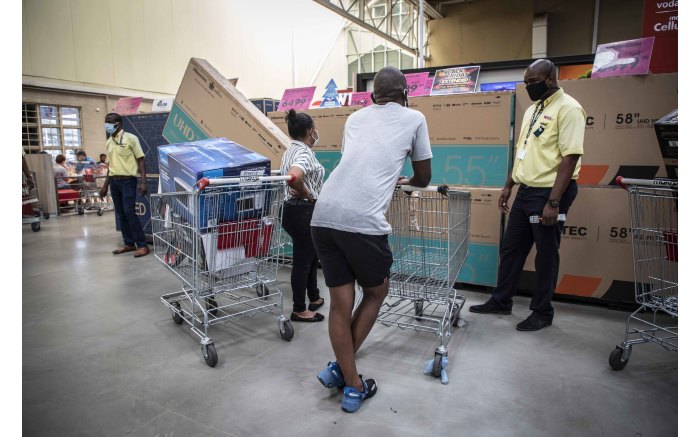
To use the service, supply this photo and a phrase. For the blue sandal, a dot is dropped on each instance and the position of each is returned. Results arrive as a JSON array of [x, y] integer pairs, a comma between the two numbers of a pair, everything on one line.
[[352, 398], [332, 376]]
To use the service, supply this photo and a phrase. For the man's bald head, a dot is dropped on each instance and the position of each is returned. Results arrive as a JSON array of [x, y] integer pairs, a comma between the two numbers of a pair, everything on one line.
[[541, 69], [389, 85]]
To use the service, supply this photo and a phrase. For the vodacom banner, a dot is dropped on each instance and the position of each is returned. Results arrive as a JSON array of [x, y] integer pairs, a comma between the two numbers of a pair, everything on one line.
[[661, 22]]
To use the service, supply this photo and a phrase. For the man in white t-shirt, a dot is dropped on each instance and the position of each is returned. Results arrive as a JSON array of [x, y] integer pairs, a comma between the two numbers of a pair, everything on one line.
[[349, 227]]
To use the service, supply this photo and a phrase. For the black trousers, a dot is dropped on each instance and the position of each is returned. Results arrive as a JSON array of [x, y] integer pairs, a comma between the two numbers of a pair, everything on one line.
[[296, 220], [518, 240]]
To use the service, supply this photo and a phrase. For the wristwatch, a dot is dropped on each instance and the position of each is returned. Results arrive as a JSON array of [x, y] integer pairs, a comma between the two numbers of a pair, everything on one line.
[[554, 203]]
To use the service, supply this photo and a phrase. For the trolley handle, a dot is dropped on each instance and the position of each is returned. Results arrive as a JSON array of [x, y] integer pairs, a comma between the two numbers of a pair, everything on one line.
[[442, 189], [624, 182], [205, 182]]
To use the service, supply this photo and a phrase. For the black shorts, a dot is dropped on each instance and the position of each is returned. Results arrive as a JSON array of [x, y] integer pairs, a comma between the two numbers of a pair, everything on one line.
[[349, 256]]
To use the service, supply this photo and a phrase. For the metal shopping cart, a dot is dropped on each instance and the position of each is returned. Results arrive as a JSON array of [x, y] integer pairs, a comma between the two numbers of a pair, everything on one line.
[[430, 232], [222, 240], [90, 183], [654, 229], [32, 215]]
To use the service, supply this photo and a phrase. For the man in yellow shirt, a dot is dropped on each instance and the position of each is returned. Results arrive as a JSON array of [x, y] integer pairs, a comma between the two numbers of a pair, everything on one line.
[[546, 168], [125, 164]]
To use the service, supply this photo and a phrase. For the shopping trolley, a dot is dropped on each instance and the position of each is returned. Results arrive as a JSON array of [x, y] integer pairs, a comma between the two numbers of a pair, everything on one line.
[[654, 229], [89, 185], [32, 215], [429, 243], [221, 240]]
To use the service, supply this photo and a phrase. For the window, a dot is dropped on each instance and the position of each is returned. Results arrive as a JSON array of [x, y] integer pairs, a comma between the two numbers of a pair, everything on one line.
[[54, 129]]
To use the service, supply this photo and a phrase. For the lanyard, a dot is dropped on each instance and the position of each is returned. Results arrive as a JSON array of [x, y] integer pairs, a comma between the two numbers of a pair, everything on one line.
[[535, 117]]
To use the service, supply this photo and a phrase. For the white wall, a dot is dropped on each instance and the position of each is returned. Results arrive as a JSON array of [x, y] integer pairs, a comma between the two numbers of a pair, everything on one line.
[[144, 45]]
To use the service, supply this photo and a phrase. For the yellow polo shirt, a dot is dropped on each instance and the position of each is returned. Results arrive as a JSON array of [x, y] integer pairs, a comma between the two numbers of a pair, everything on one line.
[[123, 151], [557, 132]]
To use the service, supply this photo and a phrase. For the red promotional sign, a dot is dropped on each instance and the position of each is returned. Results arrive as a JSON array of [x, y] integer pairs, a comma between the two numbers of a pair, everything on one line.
[[661, 22], [361, 99], [127, 105], [297, 98], [416, 82]]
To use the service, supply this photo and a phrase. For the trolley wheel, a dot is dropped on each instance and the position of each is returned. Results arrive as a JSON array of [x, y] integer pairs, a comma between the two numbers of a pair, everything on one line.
[[616, 361], [81, 211], [212, 306], [287, 332], [46, 215], [36, 226], [437, 363], [209, 353], [418, 308], [177, 316], [100, 212], [454, 318], [262, 291]]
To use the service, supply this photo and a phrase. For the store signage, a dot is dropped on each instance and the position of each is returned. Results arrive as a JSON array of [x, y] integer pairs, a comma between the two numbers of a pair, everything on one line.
[[127, 105], [661, 22], [363, 98], [624, 58], [164, 104], [499, 86], [416, 84], [296, 98], [458, 80]]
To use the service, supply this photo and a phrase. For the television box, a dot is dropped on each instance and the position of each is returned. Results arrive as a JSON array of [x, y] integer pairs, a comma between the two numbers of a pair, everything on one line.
[[166, 183], [667, 134], [148, 128], [207, 105], [218, 157]]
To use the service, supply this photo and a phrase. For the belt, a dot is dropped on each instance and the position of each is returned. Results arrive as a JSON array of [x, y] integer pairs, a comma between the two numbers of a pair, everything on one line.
[[573, 181], [305, 202], [121, 178]]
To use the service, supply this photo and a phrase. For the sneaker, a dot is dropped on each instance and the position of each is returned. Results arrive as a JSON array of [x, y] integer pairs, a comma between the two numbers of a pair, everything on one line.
[[352, 398], [488, 308], [331, 376], [533, 323]]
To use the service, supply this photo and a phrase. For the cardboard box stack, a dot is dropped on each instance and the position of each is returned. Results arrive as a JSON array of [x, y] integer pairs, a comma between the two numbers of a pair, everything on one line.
[[596, 251], [207, 105], [471, 138]]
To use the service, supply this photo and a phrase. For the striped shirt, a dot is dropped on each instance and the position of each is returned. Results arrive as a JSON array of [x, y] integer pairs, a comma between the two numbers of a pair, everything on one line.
[[300, 155]]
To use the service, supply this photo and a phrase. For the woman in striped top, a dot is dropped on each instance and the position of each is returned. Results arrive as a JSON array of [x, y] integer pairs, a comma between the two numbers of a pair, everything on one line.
[[299, 160]]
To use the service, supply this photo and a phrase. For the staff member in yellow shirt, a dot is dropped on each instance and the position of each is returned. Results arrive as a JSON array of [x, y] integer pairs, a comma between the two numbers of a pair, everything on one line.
[[546, 167], [125, 163]]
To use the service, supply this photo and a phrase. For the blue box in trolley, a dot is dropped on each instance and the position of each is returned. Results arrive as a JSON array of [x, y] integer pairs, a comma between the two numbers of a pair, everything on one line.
[[212, 158]]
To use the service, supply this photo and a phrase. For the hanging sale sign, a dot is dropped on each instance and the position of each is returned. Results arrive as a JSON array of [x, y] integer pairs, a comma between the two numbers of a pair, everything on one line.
[[416, 83], [363, 98], [624, 58], [458, 80], [296, 98], [661, 21], [127, 105]]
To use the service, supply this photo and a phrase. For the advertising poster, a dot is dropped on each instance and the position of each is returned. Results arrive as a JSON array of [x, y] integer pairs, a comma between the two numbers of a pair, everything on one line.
[[623, 58], [127, 105], [498, 86], [416, 84], [458, 80], [661, 21], [361, 99], [297, 98]]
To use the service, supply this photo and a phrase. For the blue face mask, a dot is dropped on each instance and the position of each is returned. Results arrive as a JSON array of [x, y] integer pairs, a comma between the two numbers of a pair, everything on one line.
[[110, 128]]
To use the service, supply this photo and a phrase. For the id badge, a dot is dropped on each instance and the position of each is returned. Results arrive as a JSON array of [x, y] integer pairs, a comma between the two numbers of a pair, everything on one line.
[[521, 154]]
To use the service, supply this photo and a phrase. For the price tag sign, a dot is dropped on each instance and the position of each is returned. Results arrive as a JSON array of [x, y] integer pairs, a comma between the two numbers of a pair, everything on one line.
[[363, 98], [297, 98], [127, 105], [415, 82]]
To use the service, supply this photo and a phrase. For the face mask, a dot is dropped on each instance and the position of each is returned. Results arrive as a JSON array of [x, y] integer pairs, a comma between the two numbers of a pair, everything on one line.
[[538, 89], [110, 128], [315, 140]]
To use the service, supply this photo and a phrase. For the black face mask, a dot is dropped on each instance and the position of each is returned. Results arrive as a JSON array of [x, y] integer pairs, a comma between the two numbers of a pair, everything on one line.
[[538, 89]]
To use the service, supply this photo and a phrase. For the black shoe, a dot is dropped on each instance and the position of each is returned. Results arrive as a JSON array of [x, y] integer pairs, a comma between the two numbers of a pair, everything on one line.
[[533, 323], [488, 308]]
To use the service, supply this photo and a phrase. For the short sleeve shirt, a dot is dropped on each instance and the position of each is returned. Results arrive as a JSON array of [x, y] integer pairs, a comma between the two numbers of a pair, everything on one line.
[[556, 129], [377, 140], [59, 174], [300, 155], [122, 152]]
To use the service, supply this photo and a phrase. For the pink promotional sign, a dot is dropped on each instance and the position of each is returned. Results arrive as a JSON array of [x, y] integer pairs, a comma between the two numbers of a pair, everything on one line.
[[363, 98], [297, 98], [623, 58], [127, 105], [415, 82]]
